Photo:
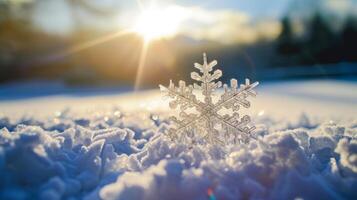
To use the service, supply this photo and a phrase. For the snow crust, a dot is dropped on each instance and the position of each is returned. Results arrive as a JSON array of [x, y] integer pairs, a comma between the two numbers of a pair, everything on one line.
[[119, 155]]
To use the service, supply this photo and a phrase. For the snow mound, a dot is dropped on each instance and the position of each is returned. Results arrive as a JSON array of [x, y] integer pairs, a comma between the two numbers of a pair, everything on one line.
[[122, 156]]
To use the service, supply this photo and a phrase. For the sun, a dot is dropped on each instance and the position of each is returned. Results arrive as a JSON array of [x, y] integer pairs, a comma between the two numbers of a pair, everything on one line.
[[157, 23]]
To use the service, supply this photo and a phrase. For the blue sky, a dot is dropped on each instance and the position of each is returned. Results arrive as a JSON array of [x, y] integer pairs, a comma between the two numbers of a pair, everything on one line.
[[255, 8]]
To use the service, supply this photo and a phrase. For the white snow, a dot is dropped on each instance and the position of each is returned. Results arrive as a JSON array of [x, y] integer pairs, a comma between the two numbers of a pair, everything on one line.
[[110, 146]]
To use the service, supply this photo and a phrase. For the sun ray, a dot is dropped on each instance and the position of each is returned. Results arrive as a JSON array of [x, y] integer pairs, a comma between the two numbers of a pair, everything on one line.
[[95, 42], [141, 66], [52, 57]]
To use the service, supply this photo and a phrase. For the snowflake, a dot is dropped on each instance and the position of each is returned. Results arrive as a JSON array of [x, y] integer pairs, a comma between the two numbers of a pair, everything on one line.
[[215, 118]]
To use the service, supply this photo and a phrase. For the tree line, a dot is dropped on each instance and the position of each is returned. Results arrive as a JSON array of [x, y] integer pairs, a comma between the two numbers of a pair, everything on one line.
[[320, 43]]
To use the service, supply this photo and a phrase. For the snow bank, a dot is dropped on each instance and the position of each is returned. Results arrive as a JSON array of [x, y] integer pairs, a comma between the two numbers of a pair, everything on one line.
[[125, 157]]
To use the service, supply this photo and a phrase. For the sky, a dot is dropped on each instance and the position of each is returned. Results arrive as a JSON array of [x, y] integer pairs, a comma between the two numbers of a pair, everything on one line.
[[254, 8], [212, 19], [225, 21]]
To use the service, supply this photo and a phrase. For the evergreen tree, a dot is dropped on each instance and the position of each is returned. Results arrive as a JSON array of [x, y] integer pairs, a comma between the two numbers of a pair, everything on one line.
[[349, 40], [286, 41]]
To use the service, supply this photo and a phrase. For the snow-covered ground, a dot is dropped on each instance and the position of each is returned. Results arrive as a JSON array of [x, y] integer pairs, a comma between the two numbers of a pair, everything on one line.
[[73, 144]]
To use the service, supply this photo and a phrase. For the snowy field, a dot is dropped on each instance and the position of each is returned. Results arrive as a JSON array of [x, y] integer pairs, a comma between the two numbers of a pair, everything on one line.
[[84, 144]]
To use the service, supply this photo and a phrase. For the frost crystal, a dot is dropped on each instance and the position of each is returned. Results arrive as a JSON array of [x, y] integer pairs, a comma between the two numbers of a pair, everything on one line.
[[214, 119]]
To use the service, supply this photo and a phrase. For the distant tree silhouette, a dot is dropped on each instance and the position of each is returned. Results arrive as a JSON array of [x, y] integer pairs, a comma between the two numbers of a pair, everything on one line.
[[349, 39], [321, 44], [286, 42]]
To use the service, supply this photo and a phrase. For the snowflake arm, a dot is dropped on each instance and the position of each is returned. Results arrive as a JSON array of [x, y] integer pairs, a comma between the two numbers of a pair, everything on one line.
[[207, 84], [182, 96], [233, 95]]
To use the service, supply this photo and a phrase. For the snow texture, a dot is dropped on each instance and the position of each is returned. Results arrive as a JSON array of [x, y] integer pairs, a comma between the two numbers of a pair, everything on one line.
[[207, 124], [119, 155]]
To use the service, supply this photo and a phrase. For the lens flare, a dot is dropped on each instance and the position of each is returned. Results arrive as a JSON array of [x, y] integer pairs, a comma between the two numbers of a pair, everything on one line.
[[210, 194]]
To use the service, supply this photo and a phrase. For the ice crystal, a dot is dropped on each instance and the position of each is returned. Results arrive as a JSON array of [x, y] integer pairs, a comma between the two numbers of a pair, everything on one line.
[[214, 119]]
